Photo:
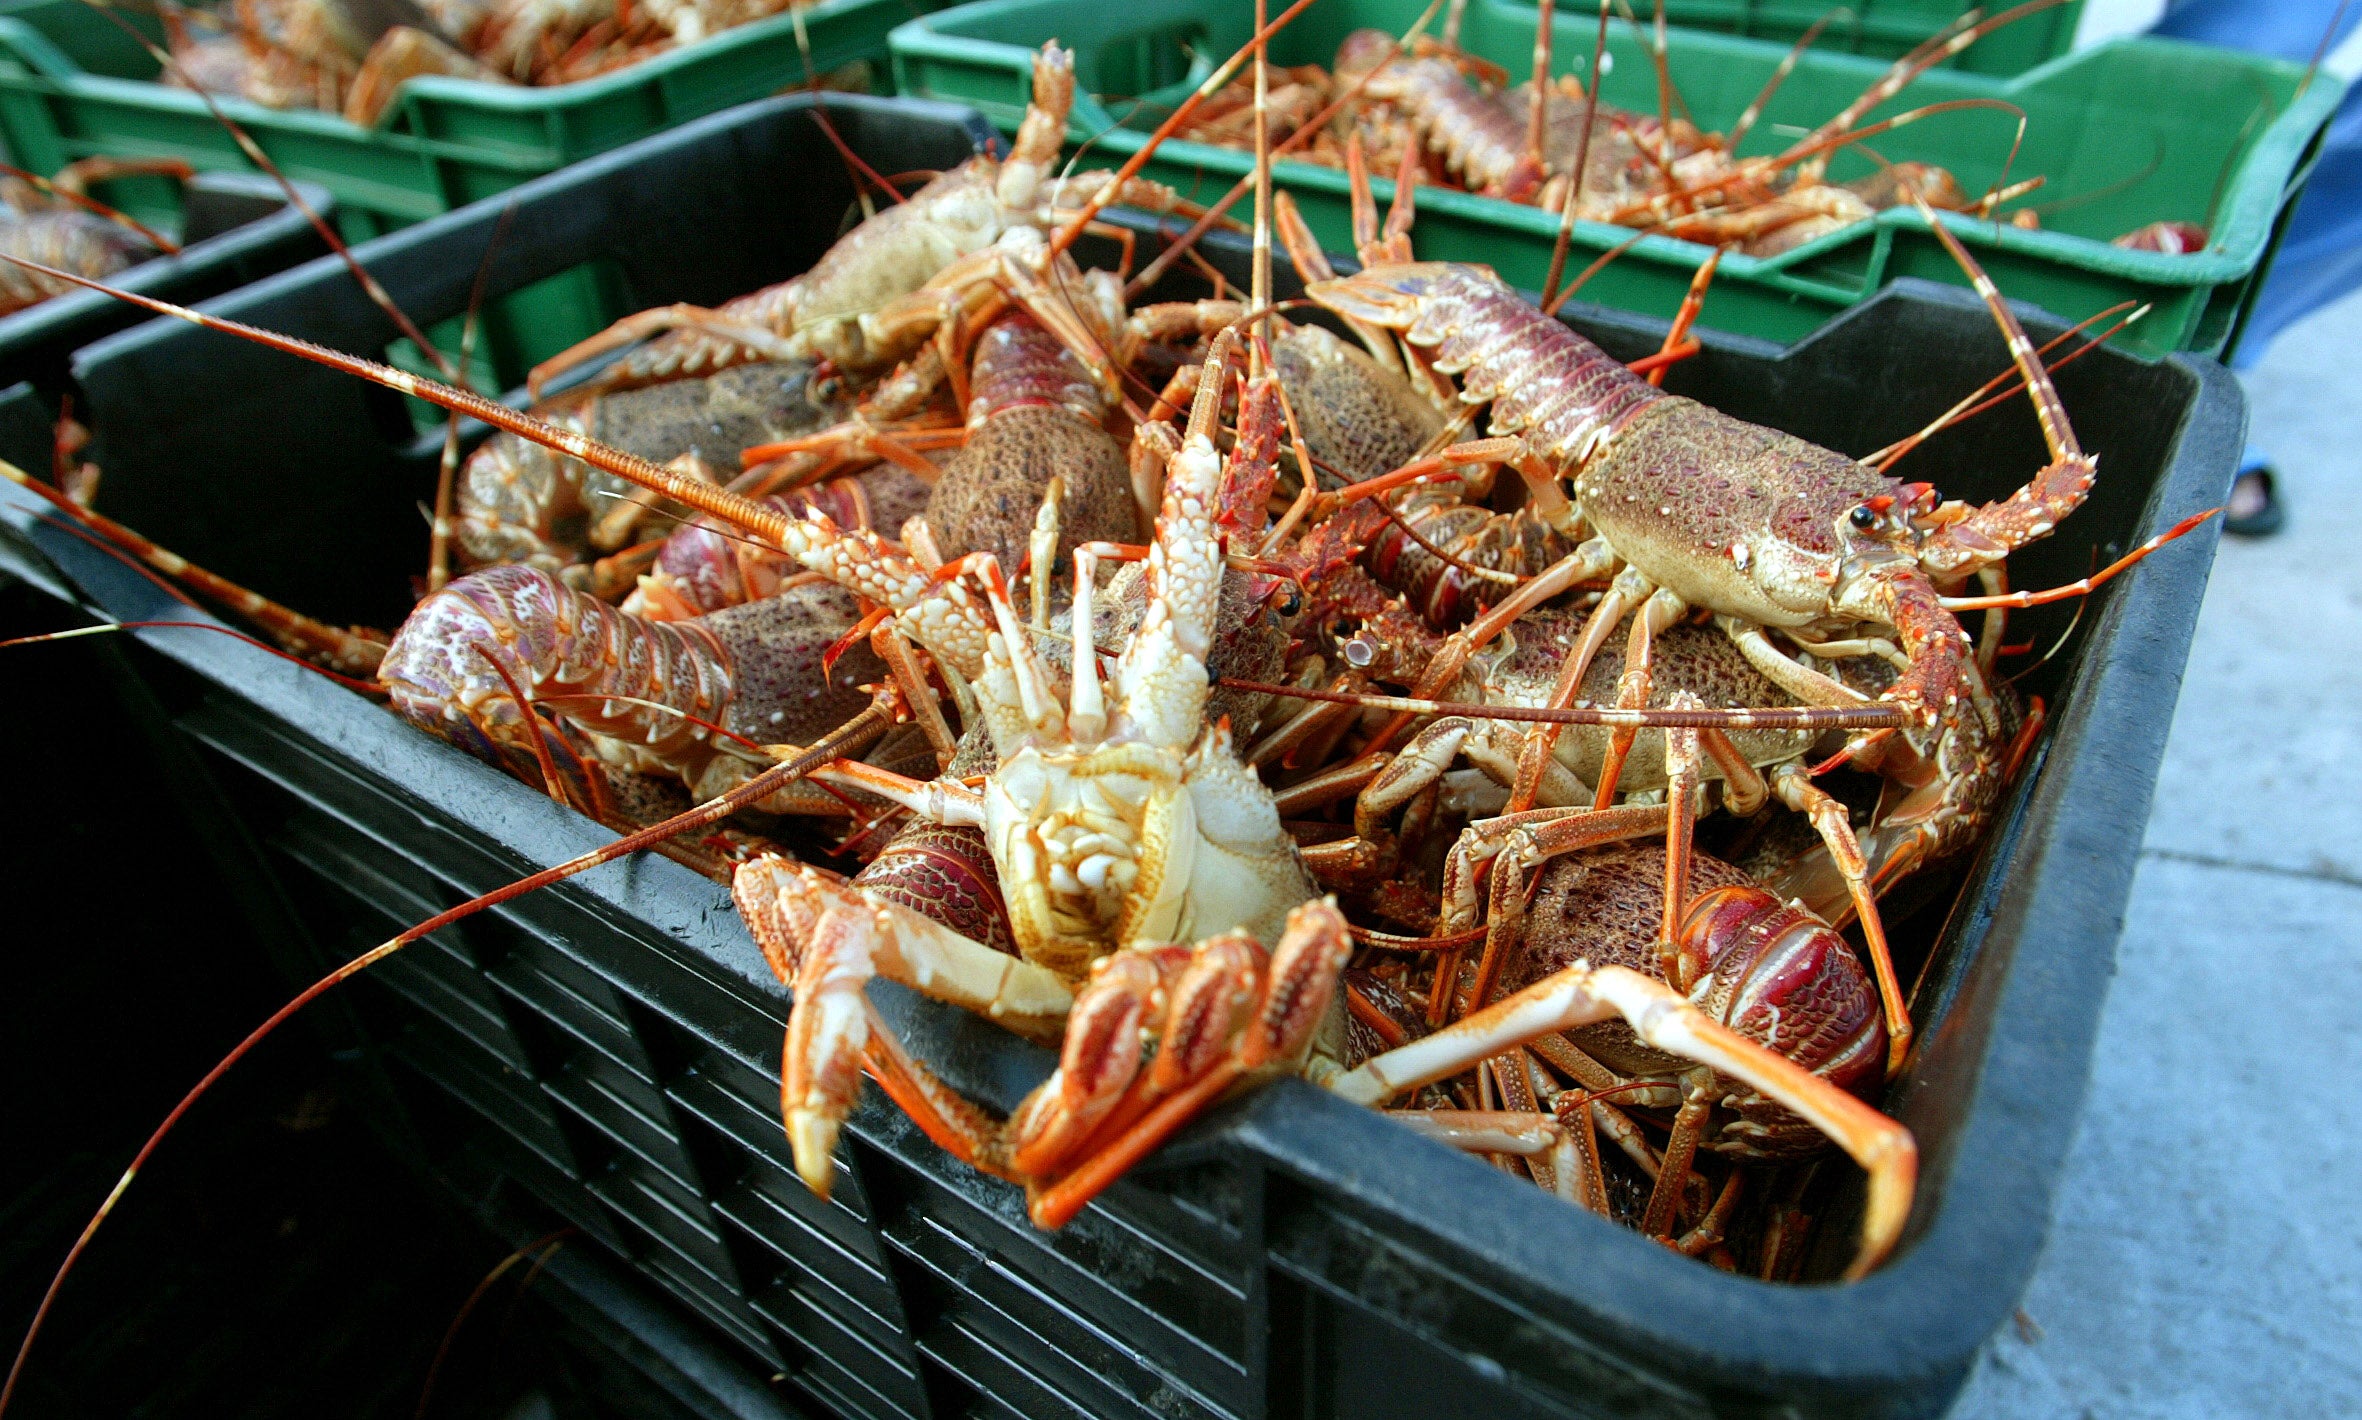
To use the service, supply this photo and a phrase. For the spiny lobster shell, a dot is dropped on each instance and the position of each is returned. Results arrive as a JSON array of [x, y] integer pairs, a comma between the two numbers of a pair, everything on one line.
[[1776, 975]]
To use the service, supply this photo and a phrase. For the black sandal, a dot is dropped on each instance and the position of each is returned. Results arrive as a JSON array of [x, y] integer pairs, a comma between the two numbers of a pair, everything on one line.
[[2262, 514]]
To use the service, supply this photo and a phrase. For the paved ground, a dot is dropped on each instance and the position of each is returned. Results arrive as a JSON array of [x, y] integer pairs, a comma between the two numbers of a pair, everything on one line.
[[2207, 1255]]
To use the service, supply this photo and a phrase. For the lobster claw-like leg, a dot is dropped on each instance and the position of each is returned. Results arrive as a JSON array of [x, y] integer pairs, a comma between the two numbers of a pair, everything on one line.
[[1583, 995], [1228, 1014], [1231, 1015], [828, 939]]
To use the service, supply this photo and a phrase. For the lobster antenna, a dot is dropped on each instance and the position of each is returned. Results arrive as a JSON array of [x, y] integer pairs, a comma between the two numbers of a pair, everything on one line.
[[1779, 76], [1155, 270], [736, 508], [1574, 188], [550, 1241], [1538, 117], [343, 650], [97, 208], [1751, 169], [377, 294], [438, 562], [1665, 91], [1260, 295], [1784, 717], [111, 627], [712, 811], [852, 160], [1214, 84], [2057, 430], [1927, 56], [1976, 401], [2321, 50]]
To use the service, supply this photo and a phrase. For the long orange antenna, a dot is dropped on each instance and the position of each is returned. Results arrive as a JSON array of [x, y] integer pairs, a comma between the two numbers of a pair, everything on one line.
[[1977, 401], [1574, 186], [1779, 76], [96, 208], [343, 650], [377, 294], [1940, 47], [757, 517], [1213, 85], [1785, 717], [1155, 270], [2083, 586], [712, 812], [438, 562]]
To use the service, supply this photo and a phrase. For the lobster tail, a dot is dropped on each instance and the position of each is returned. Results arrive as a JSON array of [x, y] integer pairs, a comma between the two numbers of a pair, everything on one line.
[[1788, 981], [944, 872], [1563, 393], [445, 667]]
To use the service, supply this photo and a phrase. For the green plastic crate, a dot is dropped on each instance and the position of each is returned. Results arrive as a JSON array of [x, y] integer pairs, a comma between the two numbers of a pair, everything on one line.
[[2129, 132], [73, 85], [1883, 29]]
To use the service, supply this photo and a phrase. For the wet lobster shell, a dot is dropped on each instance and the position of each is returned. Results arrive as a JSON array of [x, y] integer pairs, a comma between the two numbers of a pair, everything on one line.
[[1777, 975]]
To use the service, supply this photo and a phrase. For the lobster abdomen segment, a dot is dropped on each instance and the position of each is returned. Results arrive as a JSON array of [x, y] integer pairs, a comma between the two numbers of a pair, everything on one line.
[[1565, 394], [1790, 982], [444, 668]]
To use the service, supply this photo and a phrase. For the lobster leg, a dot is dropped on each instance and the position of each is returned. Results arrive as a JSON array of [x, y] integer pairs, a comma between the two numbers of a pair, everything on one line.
[[1518, 845], [1232, 1018], [1743, 789], [1536, 755], [632, 329], [911, 679], [1810, 687], [1220, 1013], [1659, 611], [1689, 1122], [1682, 969], [1796, 790], [859, 439], [1301, 729], [1582, 995], [1598, 1081], [1591, 562], [828, 940], [1412, 772], [1538, 1138]]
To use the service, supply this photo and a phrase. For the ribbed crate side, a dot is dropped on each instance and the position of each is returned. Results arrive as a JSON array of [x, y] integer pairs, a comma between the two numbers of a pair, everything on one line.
[[2224, 154]]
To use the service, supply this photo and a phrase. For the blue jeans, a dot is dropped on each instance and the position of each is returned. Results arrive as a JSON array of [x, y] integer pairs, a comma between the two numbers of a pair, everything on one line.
[[2321, 256]]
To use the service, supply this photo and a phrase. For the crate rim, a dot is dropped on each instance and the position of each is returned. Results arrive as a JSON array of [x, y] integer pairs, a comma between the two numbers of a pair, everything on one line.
[[55, 67], [1880, 23], [1909, 1318], [2247, 219], [158, 274]]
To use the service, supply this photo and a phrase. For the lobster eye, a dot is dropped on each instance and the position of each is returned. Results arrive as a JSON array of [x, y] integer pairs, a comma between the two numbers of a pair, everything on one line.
[[1288, 602], [1864, 517]]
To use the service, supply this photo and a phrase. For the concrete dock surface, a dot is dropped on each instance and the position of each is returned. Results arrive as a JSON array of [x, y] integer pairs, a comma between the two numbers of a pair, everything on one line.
[[2206, 1256]]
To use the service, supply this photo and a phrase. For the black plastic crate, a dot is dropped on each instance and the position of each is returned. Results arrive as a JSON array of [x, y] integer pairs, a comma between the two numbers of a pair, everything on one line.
[[615, 1040], [234, 229]]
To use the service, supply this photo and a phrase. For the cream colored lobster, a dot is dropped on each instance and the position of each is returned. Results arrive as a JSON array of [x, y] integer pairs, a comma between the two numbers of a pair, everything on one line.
[[834, 311]]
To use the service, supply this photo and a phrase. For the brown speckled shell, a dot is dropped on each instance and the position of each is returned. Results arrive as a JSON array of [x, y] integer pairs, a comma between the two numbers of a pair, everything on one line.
[[993, 486], [1606, 908], [1698, 659], [780, 695], [1355, 417], [1682, 483], [519, 501]]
